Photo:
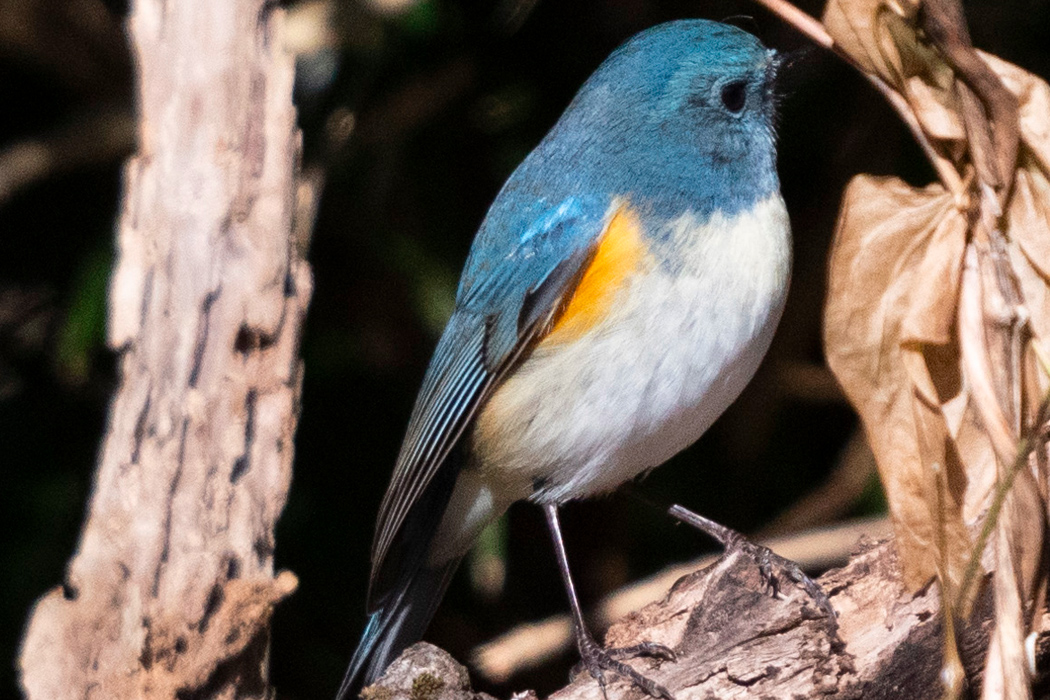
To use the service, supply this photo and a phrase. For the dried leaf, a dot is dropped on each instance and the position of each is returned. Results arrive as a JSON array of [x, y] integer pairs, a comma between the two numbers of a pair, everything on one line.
[[879, 35], [855, 25], [938, 119], [893, 287], [1034, 97], [1016, 560], [1028, 211], [1020, 528], [935, 396]]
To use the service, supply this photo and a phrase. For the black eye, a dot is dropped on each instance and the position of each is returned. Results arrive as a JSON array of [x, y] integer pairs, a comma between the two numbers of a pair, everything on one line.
[[734, 96]]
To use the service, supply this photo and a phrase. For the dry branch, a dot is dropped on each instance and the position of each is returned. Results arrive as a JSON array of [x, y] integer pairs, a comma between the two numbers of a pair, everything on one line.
[[534, 643], [734, 640], [172, 586]]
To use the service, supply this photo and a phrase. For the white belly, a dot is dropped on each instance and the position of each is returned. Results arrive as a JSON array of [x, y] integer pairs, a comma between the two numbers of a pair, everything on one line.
[[681, 342]]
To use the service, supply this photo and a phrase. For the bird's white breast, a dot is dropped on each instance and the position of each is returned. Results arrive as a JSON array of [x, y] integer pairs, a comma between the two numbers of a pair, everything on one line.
[[680, 342]]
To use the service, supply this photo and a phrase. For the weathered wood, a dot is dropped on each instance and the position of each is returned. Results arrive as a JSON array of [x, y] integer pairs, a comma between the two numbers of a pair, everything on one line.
[[735, 640], [172, 585]]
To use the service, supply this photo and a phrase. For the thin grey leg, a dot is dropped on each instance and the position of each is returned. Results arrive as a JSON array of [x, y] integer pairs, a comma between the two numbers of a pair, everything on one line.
[[595, 659]]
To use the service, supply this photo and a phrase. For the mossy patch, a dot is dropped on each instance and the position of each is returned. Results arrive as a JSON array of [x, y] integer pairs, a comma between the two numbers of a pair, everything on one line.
[[425, 686]]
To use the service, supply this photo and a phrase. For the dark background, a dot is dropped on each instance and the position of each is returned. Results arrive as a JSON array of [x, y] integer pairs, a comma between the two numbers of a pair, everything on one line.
[[446, 98]]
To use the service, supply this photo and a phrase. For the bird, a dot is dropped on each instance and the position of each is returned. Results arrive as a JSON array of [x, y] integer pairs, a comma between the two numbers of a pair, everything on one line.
[[619, 294]]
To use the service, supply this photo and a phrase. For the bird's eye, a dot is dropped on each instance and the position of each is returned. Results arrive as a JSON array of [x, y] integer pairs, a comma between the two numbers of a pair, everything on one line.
[[734, 95]]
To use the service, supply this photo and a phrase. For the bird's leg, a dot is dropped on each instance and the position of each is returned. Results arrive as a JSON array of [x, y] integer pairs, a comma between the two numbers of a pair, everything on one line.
[[768, 561], [595, 659]]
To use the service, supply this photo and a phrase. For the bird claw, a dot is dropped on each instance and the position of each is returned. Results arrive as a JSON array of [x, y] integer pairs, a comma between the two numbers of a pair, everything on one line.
[[772, 567], [597, 660], [769, 564], [651, 649]]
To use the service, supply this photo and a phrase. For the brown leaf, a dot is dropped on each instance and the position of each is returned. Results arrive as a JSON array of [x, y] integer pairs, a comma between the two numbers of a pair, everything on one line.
[[1018, 540], [879, 35], [856, 27], [1017, 554], [893, 288], [941, 366]]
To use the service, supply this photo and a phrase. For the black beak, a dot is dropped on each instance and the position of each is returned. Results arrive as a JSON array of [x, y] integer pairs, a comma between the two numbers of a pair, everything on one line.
[[790, 68]]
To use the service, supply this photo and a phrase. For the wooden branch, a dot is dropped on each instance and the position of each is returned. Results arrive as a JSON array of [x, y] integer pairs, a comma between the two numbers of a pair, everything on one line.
[[172, 586], [735, 640], [534, 643]]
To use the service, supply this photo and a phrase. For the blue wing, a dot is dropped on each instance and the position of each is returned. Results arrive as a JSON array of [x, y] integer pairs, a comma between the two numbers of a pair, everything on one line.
[[527, 255]]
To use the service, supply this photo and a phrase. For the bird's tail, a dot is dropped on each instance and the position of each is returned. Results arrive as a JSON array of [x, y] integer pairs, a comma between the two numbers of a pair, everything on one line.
[[399, 623]]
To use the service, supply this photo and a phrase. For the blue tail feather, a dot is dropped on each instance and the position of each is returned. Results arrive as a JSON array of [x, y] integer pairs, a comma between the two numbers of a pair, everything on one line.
[[399, 623]]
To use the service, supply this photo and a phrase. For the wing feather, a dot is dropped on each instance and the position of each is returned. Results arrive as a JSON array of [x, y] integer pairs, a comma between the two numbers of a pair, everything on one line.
[[508, 292]]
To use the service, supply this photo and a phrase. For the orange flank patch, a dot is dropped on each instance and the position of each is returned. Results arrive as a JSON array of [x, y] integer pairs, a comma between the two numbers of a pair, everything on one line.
[[618, 255]]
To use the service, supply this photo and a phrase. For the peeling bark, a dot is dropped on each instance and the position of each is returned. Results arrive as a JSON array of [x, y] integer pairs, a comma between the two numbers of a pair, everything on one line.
[[735, 640], [172, 586]]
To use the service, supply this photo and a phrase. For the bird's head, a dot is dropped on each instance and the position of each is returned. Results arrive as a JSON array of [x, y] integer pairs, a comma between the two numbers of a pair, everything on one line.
[[689, 86]]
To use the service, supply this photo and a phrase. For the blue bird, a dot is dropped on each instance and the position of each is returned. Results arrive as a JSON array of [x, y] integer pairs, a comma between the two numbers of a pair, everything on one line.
[[620, 293]]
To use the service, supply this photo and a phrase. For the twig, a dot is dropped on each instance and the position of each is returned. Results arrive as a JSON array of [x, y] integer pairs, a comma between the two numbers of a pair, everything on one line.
[[1025, 446]]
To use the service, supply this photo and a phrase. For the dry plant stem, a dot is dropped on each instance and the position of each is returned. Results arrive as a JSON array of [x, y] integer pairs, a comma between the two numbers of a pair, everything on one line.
[[813, 29], [993, 142], [990, 357], [953, 673], [170, 592], [1024, 450], [976, 360], [1007, 331]]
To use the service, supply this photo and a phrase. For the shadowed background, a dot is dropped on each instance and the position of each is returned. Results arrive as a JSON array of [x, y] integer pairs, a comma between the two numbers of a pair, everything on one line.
[[413, 113]]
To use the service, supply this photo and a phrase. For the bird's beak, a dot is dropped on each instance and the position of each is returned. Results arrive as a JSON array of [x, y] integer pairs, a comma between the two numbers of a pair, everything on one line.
[[786, 68]]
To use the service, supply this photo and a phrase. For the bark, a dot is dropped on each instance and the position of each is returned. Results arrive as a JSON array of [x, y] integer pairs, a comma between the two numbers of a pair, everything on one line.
[[172, 586], [735, 640]]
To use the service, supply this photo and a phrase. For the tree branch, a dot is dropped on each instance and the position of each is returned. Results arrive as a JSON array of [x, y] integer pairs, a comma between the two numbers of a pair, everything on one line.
[[172, 586], [735, 640]]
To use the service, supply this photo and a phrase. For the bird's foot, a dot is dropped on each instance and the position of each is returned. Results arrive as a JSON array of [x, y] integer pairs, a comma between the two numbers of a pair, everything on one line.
[[597, 661], [771, 565]]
